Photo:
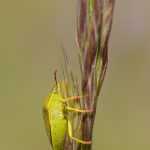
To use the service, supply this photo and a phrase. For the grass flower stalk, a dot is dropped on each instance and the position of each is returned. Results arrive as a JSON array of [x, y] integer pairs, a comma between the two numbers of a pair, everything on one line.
[[94, 21]]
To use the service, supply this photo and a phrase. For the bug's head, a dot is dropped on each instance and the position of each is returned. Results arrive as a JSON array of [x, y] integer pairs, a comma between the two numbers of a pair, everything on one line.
[[56, 89]]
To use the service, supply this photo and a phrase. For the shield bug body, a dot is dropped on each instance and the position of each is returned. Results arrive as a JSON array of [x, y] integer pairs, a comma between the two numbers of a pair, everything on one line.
[[57, 123]]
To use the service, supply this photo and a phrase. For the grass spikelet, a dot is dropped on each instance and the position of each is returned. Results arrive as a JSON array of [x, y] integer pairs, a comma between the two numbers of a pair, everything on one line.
[[94, 21]]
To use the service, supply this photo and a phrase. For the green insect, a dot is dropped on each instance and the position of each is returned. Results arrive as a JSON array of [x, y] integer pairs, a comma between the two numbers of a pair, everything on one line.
[[57, 123]]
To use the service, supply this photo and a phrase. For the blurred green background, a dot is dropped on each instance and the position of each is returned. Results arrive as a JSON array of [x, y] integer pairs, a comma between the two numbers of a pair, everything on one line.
[[30, 35]]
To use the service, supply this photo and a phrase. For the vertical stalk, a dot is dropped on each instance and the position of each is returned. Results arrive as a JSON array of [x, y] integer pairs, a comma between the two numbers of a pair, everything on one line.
[[94, 20]]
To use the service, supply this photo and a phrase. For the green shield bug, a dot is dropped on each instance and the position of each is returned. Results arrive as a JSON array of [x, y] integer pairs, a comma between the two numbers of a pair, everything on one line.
[[56, 120]]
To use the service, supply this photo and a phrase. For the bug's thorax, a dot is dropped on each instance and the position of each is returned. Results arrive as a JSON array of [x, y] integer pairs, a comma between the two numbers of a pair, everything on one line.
[[56, 107]]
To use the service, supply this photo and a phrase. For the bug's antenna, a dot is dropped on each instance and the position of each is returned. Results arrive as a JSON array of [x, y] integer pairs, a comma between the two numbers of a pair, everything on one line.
[[55, 76]]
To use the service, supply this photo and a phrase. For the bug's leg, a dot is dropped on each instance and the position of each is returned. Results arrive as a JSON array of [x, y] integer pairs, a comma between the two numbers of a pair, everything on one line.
[[72, 98], [79, 110], [73, 138]]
